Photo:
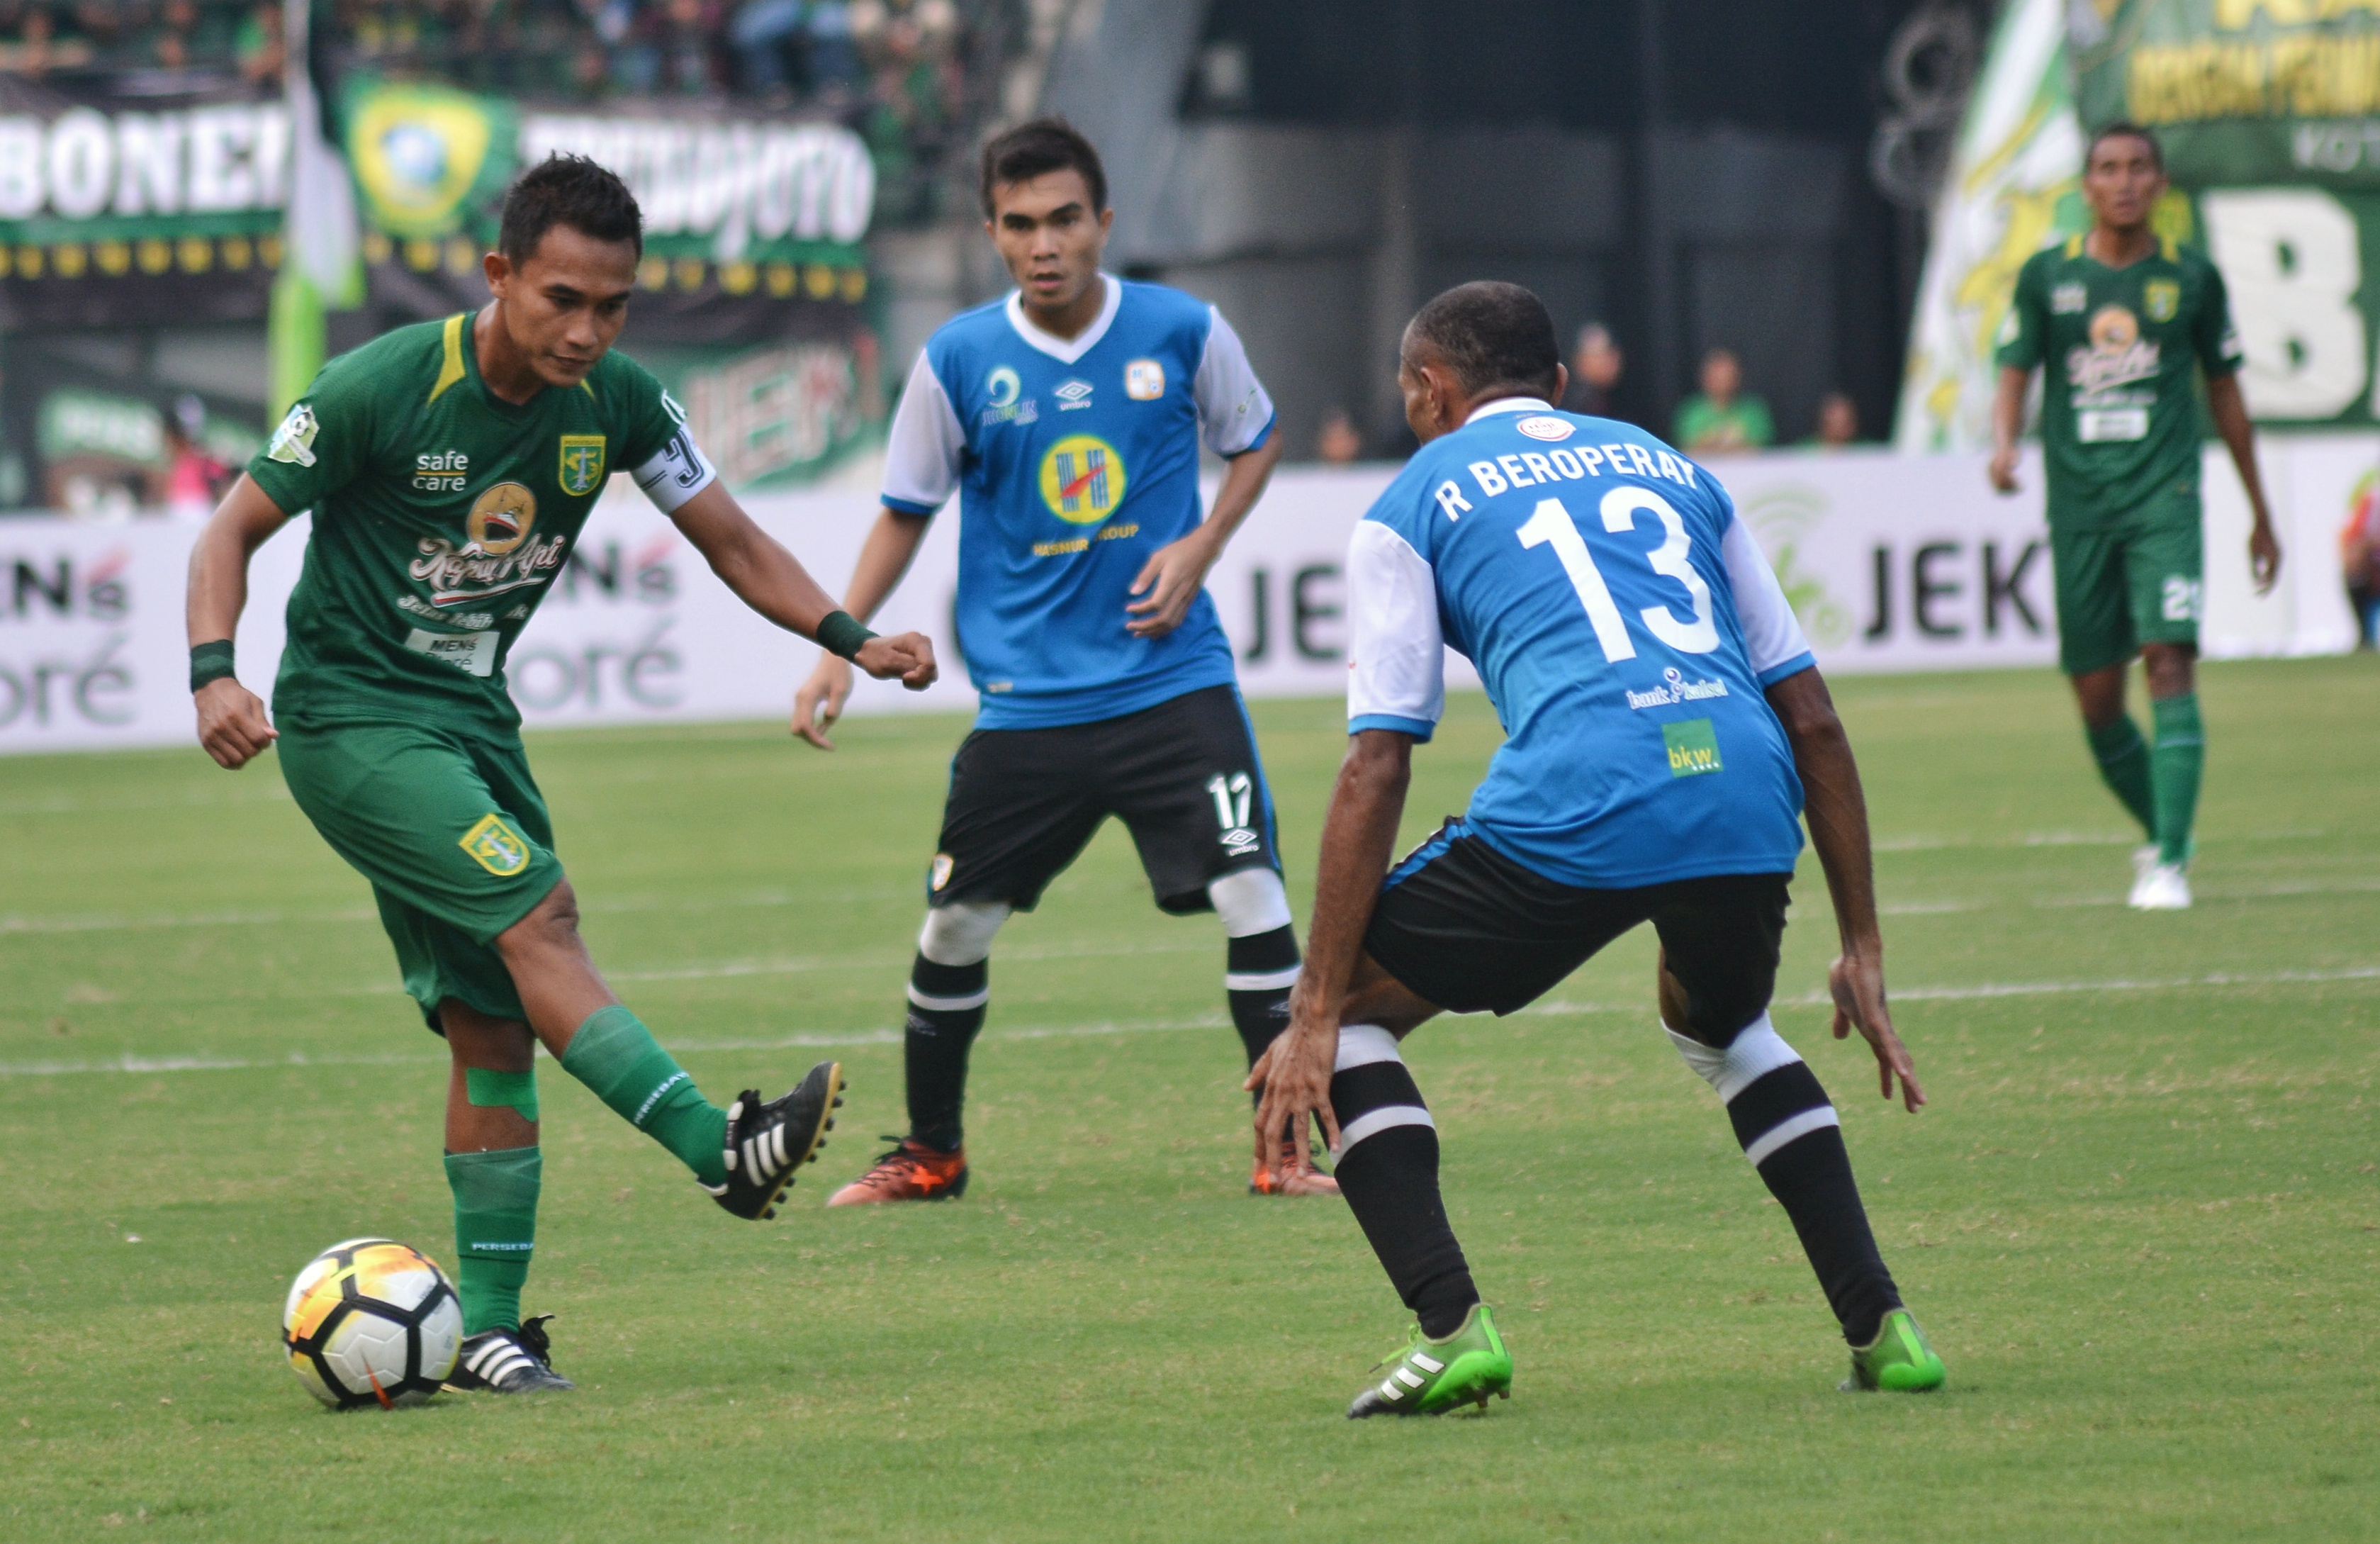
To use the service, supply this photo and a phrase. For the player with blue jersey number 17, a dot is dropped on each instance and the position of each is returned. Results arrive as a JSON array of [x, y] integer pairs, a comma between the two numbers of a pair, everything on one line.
[[1665, 722], [1068, 418]]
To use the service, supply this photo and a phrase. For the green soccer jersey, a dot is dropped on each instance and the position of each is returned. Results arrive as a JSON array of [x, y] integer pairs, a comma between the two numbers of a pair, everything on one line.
[[442, 514], [2119, 417]]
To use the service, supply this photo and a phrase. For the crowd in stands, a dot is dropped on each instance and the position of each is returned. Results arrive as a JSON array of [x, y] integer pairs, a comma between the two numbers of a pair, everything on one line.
[[40, 38], [895, 70]]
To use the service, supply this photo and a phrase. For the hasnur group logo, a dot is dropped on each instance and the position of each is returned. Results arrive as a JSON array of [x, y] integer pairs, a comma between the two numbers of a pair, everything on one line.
[[1082, 479]]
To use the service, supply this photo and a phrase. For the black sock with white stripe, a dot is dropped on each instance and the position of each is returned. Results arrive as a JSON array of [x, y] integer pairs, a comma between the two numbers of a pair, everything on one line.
[[1258, 970], [1789, 1129], [1388, 1169], [946, 1007]]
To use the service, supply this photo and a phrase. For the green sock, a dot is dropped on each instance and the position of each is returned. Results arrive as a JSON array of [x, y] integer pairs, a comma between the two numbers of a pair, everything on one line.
[[616, 1055], [2123, 758], [495, 1227], [2175, 763]]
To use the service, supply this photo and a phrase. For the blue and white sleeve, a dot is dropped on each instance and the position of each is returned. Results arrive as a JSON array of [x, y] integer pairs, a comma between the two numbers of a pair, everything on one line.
[[1396, 655], [926, 447], [1234, 414], [1772, 634]]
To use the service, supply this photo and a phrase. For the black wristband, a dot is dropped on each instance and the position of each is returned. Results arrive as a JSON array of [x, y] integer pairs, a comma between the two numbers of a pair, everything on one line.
[[838, 632], [210, 661]]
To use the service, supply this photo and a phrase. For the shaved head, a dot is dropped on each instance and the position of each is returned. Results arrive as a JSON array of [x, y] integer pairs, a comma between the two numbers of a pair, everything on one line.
[[1488, 334]]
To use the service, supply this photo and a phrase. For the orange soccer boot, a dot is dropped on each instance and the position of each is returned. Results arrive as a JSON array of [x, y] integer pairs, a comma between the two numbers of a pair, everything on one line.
[[911, 1172], [1288, 1181]]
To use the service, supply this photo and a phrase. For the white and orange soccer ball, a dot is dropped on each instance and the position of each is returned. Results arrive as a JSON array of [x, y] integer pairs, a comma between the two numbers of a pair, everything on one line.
[[370, 1321]]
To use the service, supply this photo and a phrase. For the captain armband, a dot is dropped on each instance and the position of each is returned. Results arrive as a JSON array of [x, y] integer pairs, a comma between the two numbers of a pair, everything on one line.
[[676, 472]]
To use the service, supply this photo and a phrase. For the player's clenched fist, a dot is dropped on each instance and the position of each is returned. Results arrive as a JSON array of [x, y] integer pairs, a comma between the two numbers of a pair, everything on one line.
[[232, 725], [909, 656]]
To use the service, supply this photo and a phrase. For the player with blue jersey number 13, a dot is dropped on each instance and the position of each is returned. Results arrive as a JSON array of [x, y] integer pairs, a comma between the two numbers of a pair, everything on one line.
[[1666, 720], [1068, 418]]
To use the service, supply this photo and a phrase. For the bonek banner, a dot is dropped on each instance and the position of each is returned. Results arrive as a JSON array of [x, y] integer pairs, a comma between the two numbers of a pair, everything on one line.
[[1892, 563]]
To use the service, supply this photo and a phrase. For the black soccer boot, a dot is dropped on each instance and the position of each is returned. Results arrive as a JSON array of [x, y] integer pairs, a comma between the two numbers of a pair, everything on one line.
[[766, 1142], [509, 1361]]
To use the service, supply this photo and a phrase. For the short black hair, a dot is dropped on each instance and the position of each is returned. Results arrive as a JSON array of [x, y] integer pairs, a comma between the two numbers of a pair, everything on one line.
[[1037, 148], [2125, 129], [568, 191], [1490, 334]]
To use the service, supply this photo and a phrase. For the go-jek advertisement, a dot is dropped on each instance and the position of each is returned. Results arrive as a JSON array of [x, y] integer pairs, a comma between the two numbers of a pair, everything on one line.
[[1892, 563]]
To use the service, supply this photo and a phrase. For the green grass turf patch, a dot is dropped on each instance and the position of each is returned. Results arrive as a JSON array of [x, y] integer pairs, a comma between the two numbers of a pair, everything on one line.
[[2139, 1220]]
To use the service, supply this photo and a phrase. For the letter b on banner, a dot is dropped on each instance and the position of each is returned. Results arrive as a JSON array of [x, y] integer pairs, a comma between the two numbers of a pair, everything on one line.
[[2289, 256]]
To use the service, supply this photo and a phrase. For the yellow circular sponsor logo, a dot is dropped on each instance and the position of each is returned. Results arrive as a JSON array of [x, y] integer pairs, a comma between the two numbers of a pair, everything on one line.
[[1082, 479], [2113, 330], [501, 519]]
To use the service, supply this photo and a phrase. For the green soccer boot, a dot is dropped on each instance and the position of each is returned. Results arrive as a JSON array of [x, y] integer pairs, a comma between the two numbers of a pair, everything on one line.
[[1898, 1361], [1429, 1378]]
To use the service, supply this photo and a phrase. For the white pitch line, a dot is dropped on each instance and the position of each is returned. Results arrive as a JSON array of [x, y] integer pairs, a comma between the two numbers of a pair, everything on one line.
[[1981, 992], [145, 1065]]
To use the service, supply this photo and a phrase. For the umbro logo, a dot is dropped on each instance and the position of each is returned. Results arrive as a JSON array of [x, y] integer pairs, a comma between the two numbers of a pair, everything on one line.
[[1073, 395]]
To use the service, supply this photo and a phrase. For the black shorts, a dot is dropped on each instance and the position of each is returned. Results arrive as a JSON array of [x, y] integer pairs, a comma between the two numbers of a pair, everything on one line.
[[1181, 776], [1469, 929]]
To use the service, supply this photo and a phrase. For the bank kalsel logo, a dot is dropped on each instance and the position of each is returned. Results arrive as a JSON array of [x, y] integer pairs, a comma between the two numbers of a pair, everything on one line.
[[1676, 689]]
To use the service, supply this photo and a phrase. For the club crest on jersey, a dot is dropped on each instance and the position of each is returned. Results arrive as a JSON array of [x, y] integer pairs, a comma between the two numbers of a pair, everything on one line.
[[1082, 479], [582, 464], [501, 519], [1540, 427], [496, 847], [1143, 379], [294, 441], [2161, 299]]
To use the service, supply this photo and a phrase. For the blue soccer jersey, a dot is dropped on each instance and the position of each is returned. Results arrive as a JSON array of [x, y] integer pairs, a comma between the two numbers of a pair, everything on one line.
[[1073, 460], [1625, 624]]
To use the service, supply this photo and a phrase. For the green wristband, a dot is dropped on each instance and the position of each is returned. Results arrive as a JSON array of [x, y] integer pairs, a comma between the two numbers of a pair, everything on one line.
[[840, 633], [210, 661]]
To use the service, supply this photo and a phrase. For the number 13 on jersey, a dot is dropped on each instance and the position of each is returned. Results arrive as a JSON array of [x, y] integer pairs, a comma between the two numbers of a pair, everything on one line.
[[1550, 524]]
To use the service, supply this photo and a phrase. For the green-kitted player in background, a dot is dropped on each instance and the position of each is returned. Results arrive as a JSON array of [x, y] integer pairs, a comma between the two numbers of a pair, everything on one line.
[[2122, 320], [450, 466]]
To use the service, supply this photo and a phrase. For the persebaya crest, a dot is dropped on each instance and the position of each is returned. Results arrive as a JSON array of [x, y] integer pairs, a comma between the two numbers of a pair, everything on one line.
[[582, 464]]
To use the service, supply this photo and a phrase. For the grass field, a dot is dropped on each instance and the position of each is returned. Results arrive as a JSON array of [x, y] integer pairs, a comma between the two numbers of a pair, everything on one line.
[[2139, 1220]]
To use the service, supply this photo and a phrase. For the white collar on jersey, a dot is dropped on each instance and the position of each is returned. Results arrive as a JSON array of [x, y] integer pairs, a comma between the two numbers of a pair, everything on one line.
[[1066, 350], [1508, 404]]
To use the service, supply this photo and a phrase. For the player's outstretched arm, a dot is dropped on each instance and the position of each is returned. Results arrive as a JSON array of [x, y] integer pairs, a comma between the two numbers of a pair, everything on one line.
[[1358, 834], [232, 724], [1836, 809], [1169, 580], [772, 582], [891, 547], [2229, 412], [2008, 423]]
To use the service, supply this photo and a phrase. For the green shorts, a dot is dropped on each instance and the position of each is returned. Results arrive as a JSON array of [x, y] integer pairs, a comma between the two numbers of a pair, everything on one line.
[[453, 834], [2135, 579]]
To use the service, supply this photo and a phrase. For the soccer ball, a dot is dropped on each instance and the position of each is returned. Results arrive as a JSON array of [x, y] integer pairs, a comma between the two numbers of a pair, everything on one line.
[[370, 1321]]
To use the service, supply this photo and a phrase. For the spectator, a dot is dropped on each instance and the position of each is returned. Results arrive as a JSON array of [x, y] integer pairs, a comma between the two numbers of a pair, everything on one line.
[[1723, 419], [195, 478], [2359, 561], [1595, 367], [1338, 445], [260, 46], [762, 36], [1837, 422], [835, 67]]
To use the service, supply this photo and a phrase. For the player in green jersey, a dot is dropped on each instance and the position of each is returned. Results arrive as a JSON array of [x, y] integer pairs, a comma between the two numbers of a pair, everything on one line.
[[450, 466], [2123, 321]]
